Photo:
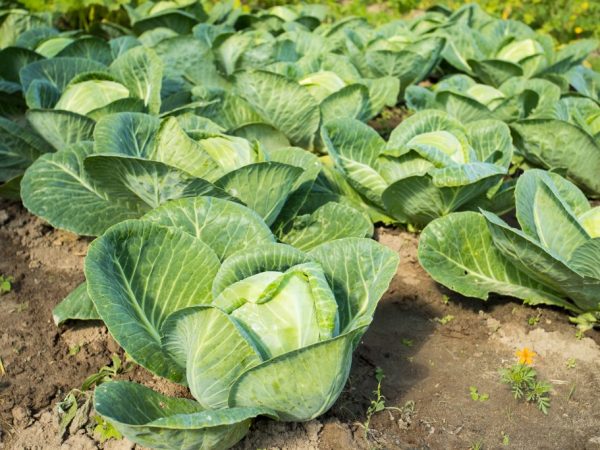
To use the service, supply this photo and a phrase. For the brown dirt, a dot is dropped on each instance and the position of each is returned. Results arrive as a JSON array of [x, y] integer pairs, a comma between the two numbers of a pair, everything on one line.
[[424, 362]]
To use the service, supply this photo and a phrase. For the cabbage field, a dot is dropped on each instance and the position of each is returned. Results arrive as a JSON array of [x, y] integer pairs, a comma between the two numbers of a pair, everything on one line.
[[275, 228]]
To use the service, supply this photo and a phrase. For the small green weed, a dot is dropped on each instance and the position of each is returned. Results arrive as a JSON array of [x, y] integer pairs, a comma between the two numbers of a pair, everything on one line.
[[444, 320], [378, 403], [6, 284], [104, 430], [407, 342], [476, 396], [571, 363], [505, 439]]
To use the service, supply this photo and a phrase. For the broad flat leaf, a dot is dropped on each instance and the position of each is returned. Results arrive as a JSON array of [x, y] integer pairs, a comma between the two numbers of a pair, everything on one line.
[[175, 148], [557, 228], [458, 252], [118, 106], [418, 200], [58, 71], [224, 226], [351, 101], [140, 70], [462, 107], [19, 147], [49, 48], [359, 272], [329, 222], [530, 182], [159, 421], [58, 189], [76, 306], [126, 133], [491, 141], [382, 92], [270, 138], [41, 95], [144, 184], [494, 72], [254, 260], [139, 273], [282, 103], [230, 152], [585, 259], [543, 264], [263, 187], [565, 147], [61, 128], [213, 350], [590, 220], [15, 58], [86, 96], [299, 385], [354, 147], [90, 47], [11, 189], [424, 122]]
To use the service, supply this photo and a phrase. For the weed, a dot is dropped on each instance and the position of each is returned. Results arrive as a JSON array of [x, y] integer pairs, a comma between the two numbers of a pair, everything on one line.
[[571, 363], [407, 342], [534, 320], [476, 396], [104, 430], [6, 282], [445, 299], [378, 403], [74, 350], [444, 320], [476, 445], [73, 410], [505, 439]]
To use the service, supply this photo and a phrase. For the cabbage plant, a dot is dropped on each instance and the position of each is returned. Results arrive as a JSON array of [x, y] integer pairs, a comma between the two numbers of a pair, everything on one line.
[[551, 259], [431, 165], [137, 162], [466, 100], [566, 139], [199, 292], [494, 50]]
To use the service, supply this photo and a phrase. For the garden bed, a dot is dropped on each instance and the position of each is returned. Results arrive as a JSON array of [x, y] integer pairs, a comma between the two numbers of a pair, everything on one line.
[[431, 344]]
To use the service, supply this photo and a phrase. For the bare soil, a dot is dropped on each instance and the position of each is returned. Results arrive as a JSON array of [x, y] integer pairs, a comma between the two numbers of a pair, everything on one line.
[[429, 363]]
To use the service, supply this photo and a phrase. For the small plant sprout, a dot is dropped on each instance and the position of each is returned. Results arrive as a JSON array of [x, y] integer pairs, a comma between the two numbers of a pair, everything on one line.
[[522, 379], [505, 439], [407, 342], [571, 363], [378, 403], [532, 321], [6, 282], [477, 396], [445, 299], [104, 430], [444, 320]]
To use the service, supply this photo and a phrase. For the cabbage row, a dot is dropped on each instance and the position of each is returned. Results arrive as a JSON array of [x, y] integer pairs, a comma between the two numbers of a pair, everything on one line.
[[225, 162]]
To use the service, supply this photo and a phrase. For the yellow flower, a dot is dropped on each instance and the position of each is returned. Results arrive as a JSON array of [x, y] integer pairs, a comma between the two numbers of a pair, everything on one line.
[[526, 356], [578, 30]]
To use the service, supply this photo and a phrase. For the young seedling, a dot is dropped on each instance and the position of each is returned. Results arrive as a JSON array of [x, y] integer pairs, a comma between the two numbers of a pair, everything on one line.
[[407, 342], [6, 282], [476, 396], [534, 320], [378, 403], [73, 411], [505, 439], [444, 320], [104, 430], [522, 379], [571, 363]]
